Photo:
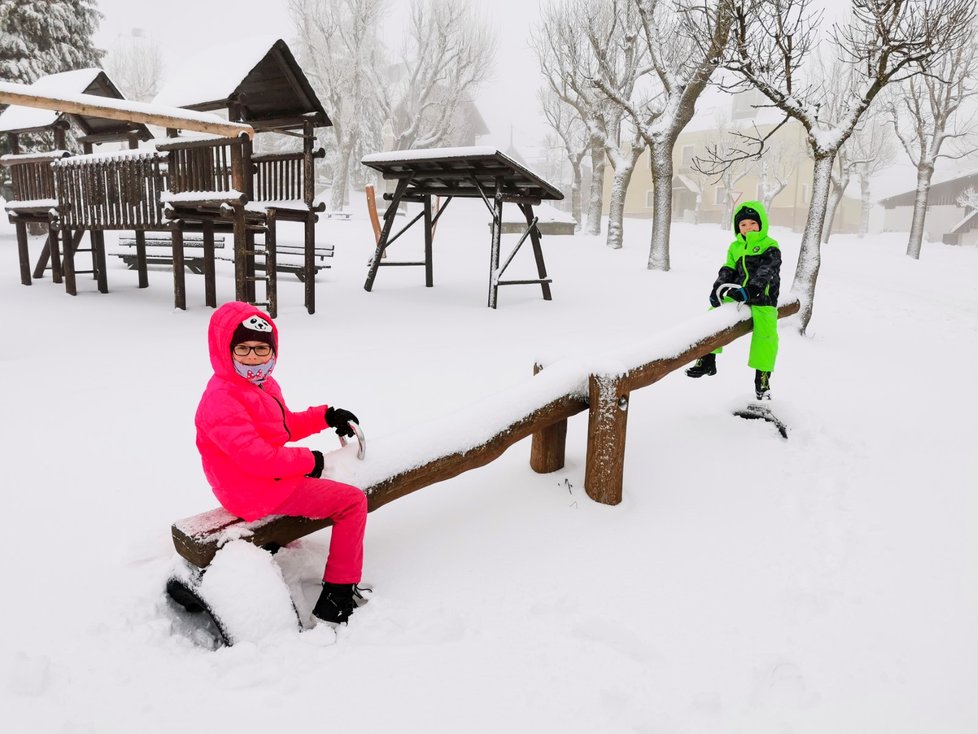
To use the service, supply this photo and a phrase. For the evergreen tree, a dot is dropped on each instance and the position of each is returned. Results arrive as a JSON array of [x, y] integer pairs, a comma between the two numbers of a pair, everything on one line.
[[46, 37], [38, 38]]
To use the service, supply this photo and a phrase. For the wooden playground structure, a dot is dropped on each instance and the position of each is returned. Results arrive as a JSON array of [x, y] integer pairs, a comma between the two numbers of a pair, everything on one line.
[[198, 185], [605, 397]]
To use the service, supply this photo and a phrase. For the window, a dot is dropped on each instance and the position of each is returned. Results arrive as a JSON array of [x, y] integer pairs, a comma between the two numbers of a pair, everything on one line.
[[687, 159], [721, 196], [650, 199]]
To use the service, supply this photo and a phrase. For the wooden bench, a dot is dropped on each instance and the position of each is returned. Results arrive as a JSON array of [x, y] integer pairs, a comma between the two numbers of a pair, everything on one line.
[[159, 252], [295, 262]]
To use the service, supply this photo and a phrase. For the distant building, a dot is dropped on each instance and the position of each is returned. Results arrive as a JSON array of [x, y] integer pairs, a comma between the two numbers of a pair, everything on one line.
[[790, 206], [946, 220]]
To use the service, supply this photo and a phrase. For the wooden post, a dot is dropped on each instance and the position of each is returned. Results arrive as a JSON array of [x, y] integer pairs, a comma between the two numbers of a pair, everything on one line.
[[429, 276], [271, 274], [607, 418], [548, 445], [98, 260], [69, 264], [497, 232], [42, 261], [210, 290], [385, 233], [308, 164], [527, 210], [239, 183], [240, 293], [368, 191], [179, 277], [23, 253], [54, 253], [141, 258], [310, 264]]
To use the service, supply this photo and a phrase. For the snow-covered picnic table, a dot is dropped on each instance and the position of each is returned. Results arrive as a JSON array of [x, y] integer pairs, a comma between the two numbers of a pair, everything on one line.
[[468, 172]]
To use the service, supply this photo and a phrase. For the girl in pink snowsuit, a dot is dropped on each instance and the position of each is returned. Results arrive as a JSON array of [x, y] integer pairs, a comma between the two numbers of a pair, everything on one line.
[[243, 425]]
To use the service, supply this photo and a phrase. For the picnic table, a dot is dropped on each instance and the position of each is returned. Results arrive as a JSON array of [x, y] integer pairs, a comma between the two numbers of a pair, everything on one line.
[[468, 172]]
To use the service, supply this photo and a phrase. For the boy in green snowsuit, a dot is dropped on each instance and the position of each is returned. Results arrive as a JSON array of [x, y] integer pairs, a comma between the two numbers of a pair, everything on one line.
[[751, 275]]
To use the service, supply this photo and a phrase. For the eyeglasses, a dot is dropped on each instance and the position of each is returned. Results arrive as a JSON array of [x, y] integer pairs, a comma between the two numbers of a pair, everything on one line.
[[243, 350]]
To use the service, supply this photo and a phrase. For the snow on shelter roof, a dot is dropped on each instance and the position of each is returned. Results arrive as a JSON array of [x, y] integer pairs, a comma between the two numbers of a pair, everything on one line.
[[18, 118], [260, 73], [465, 171]]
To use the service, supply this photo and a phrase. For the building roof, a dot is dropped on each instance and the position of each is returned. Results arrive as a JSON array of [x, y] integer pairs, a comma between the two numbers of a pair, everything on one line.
[[21, 119], [261, 76], [941, 192]]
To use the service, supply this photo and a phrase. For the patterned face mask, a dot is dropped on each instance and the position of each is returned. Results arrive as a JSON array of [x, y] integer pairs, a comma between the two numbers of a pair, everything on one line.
[[256, 373]]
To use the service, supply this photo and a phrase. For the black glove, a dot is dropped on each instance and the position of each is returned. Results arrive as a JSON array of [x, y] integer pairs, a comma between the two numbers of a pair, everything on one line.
[[317, 471], [714, 301], [737, 294], [339, 419]]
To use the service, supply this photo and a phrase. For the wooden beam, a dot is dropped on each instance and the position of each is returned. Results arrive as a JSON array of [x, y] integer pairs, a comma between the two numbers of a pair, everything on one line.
[[198, 538], [115, 109]]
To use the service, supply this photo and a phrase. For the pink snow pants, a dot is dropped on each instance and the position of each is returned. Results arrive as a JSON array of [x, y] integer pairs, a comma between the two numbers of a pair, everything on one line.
[[346, 506]]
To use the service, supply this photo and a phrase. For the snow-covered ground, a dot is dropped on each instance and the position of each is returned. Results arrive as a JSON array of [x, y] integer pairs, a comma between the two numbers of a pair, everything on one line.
[[745, 584]]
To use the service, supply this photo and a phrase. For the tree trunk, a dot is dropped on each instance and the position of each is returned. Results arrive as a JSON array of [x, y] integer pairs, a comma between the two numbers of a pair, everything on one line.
[[660, 160], [809, 258], [835, 197], [341, 177], [865, 202], [616, 207], [576, 194], [925, 171], [596, 200]]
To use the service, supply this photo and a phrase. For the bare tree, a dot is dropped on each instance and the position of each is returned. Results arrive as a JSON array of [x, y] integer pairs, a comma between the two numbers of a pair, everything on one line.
[[577, 41], [884, 41], [448, 52], [926, 112], [867, 151], [968, 199], [776, 166], [570, 128], [685, 41], [135, 63], [339, 44]]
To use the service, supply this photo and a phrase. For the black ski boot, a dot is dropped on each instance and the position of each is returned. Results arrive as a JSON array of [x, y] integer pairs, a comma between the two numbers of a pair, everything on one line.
[[335, 603], [762, 385], [704, 366]]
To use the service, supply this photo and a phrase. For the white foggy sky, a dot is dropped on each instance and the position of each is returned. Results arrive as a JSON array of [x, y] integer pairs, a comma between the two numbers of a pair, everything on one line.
[[181, 26]]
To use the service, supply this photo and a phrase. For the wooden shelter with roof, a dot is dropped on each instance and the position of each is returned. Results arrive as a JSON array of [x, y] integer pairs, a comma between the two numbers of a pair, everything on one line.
[[263, 87], [208, 183], [31, 175], [469, 172]]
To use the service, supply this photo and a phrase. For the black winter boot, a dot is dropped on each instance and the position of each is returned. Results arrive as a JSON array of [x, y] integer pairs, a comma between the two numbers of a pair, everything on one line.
[[704, 366], [762, 385], [335, 603]]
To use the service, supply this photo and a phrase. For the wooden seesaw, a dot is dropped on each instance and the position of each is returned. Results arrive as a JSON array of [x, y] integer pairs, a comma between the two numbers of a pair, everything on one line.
[[546, 400]]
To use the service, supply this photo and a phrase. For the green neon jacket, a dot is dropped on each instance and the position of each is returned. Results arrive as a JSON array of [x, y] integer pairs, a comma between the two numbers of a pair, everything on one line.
[[754, 262]]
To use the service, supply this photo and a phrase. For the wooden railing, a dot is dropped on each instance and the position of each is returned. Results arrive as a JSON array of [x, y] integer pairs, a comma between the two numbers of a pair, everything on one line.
[[206, 166], [279, 177], [31, 177], [286, 176], [101, 192]]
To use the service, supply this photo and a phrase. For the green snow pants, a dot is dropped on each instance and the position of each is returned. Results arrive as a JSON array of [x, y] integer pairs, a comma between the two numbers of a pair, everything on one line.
[[763, 340]]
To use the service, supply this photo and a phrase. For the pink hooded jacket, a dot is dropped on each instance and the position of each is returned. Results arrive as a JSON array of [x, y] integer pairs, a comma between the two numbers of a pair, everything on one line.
[[242, 428]]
